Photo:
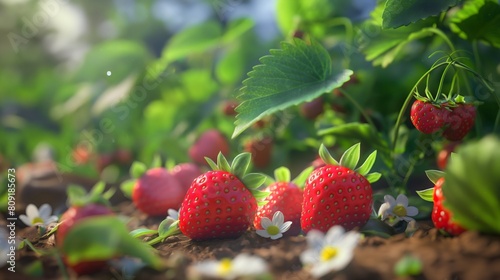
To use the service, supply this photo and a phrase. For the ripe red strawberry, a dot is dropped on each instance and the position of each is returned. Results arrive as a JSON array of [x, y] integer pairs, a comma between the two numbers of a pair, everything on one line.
[[285, 196], [311, 110], [442, 217], [210, 143], [82, 154], [427, 117], [337, 193], [221, 203], [261, 150], [459, 121], [83, 208], [185, 173], [156, 191], [444, 154]]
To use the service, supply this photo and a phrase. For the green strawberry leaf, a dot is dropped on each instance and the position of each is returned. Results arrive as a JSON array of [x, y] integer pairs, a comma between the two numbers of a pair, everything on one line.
[[236, 28], [253, 180], [142, 232], [240, 164], [212, 164], [291, 75], [326, 156], [260, 196], [373, 177], [368, 164], [478, 20], [427, 194], [98, 189], [434, 175], [301, 179], [403, 12], [282, 174], [472, 183], [408, 266], [167, 226], [350, 157], [223, 164], [138, 169], [104, 238], [127, 187]]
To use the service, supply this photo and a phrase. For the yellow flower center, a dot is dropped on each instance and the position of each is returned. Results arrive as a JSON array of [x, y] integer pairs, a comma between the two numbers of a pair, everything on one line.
[[328, 253], [37, 220], [273, 230], [224, 266], [399, 210]]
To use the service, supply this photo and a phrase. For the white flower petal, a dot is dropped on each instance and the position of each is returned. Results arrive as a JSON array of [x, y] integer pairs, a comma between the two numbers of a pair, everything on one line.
[[263, 233], [334, 234], [402, 199], [25, 220], [44, 211], [172, 213], [340, 261], [265, 222], [315, 238], [278, 218], [383, 211], [320, 269], [350, 240], [411, 211], [309, 256], [242, 262], [276, 236], [208, 268], [285, 227], [51, 219], [31, 211], [390, 199]]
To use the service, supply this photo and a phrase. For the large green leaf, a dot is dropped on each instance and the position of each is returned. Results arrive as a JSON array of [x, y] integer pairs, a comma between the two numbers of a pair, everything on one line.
[[478, 20], [471, 187], [103, 238], [403, 12], [236, 28], [195, 39], [384, 46], [288, 76]]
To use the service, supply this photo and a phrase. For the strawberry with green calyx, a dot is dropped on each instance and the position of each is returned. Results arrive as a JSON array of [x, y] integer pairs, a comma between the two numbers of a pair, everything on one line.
[[427, 116], [441, 216], [222, 203], [285, 196], [83, 206], [339, 193], [460, 118], [156, 190]]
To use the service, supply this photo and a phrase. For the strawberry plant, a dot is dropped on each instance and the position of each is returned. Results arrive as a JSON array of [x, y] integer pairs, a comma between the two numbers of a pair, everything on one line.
[[339, 193], [285, 195], [221, 203]]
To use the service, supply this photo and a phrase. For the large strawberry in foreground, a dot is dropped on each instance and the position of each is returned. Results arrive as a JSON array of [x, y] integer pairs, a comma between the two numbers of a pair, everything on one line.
[[221, 203], [339, 193], [285, 196]]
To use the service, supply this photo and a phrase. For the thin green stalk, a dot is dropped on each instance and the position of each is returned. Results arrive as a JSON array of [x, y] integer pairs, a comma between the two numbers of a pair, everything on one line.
[[477, 57], [454, 81], [443, 36], [441, 82], [358, 106]]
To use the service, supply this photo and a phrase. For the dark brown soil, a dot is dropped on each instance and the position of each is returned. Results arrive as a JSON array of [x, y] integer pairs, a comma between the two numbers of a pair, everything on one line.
[[469, 256]]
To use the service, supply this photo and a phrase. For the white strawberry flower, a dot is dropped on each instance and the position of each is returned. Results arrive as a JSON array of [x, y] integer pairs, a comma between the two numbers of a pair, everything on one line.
[[38, 216], [396, 209], [242, 265], [330, 252], [173, 214], [274, 229]]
